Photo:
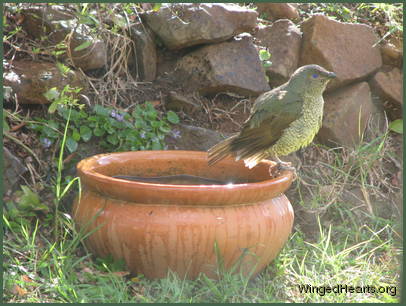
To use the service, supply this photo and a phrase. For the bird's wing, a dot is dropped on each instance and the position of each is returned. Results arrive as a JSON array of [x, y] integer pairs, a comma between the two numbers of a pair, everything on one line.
[[271, 114]]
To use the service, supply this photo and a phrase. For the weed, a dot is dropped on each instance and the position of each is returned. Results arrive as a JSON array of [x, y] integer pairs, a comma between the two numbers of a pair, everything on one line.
[[25, 204], [114, 130], [264, 56], [397, 126], [392, 13]]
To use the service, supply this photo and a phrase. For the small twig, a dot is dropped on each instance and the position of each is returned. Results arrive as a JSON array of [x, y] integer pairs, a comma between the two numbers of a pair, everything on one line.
[[367, 200], [69, 157], [17, 127]]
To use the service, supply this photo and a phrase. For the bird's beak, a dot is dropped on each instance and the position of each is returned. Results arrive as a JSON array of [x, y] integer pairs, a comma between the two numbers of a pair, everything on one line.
[[331, 75]]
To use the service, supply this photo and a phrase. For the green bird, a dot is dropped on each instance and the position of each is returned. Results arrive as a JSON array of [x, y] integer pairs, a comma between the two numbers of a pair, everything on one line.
[[281, 121]]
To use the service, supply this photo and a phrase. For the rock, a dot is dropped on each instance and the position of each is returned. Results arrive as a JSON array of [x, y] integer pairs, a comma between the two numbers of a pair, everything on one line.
[[187, 137], [345, 48], [54, 24], [283, 41], [13, 170], [188, 24], [392, 55], [31, 80], [388, 84], [274, 11], [224, 67], [178, 102], [7, 93], [342, 111], [145, 52]]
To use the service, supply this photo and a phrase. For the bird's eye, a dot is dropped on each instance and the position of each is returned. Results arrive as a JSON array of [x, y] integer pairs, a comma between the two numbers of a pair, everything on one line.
[[315, 75]]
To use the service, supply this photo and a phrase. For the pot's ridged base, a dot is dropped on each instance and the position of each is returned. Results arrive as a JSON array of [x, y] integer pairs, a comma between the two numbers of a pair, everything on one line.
[[154, 238]]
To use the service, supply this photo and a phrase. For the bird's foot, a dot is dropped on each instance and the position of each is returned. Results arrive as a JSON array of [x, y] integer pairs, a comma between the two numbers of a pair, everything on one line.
[[281, 166]]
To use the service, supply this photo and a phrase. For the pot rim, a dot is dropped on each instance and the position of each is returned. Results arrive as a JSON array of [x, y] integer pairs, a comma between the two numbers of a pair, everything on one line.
[[145, 192]]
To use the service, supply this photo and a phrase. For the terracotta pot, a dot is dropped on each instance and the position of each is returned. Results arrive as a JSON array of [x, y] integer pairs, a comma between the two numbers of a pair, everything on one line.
[[185, 228]]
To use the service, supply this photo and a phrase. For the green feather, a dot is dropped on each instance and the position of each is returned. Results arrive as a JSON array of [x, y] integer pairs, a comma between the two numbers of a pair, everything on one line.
[[281, 121]]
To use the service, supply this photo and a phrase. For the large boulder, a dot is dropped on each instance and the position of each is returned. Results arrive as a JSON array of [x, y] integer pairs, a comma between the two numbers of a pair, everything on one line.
[[345, 48], [392, 55], [388, 84], [188, 137], [29, 81], [346, 114], [275, 11], [283, 40], [179, 102], [145, 52], [188, 24], [232, 66], [53, 25], [13, 170]]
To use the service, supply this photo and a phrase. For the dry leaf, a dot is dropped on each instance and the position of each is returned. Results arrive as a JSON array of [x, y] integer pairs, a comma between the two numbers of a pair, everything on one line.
[[87, 270], [19, 291], [121, 273], [135, 279], [155, 103], [26, 278]]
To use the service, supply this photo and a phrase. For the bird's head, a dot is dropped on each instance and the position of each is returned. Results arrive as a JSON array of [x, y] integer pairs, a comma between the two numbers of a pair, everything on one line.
[[311, 78]]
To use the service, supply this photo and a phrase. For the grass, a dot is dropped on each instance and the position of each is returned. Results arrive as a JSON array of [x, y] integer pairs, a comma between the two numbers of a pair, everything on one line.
[[40, 270], [337, 241], [343, 243]]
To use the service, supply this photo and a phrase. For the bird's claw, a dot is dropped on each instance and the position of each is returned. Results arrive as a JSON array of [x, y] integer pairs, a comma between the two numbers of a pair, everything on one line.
[[281, 166]]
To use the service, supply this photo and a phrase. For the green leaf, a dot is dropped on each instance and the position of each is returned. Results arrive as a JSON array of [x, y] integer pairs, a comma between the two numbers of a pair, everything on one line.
[[63, 69], [267, 64], [100, 110], [75, 115], [156, 146], [264, 55], [151, 114], [172, 117], [156, 6], [164, 129], [62, 111], [53, 124], [92, 118], [140, 124], [52, 108], [396, 126], [36, 50], [49, 131], [98, 132], [71, 144], [29, 200], [84, 45], [112, 139], [6, 127], [108, 128], [155, 124], [89, 20], [52, 94], [75, 135], [128, 125], [85, 133]]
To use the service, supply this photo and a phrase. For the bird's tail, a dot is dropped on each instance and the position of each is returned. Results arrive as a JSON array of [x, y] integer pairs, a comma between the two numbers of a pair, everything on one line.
[[220, 150], [253, 160]]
